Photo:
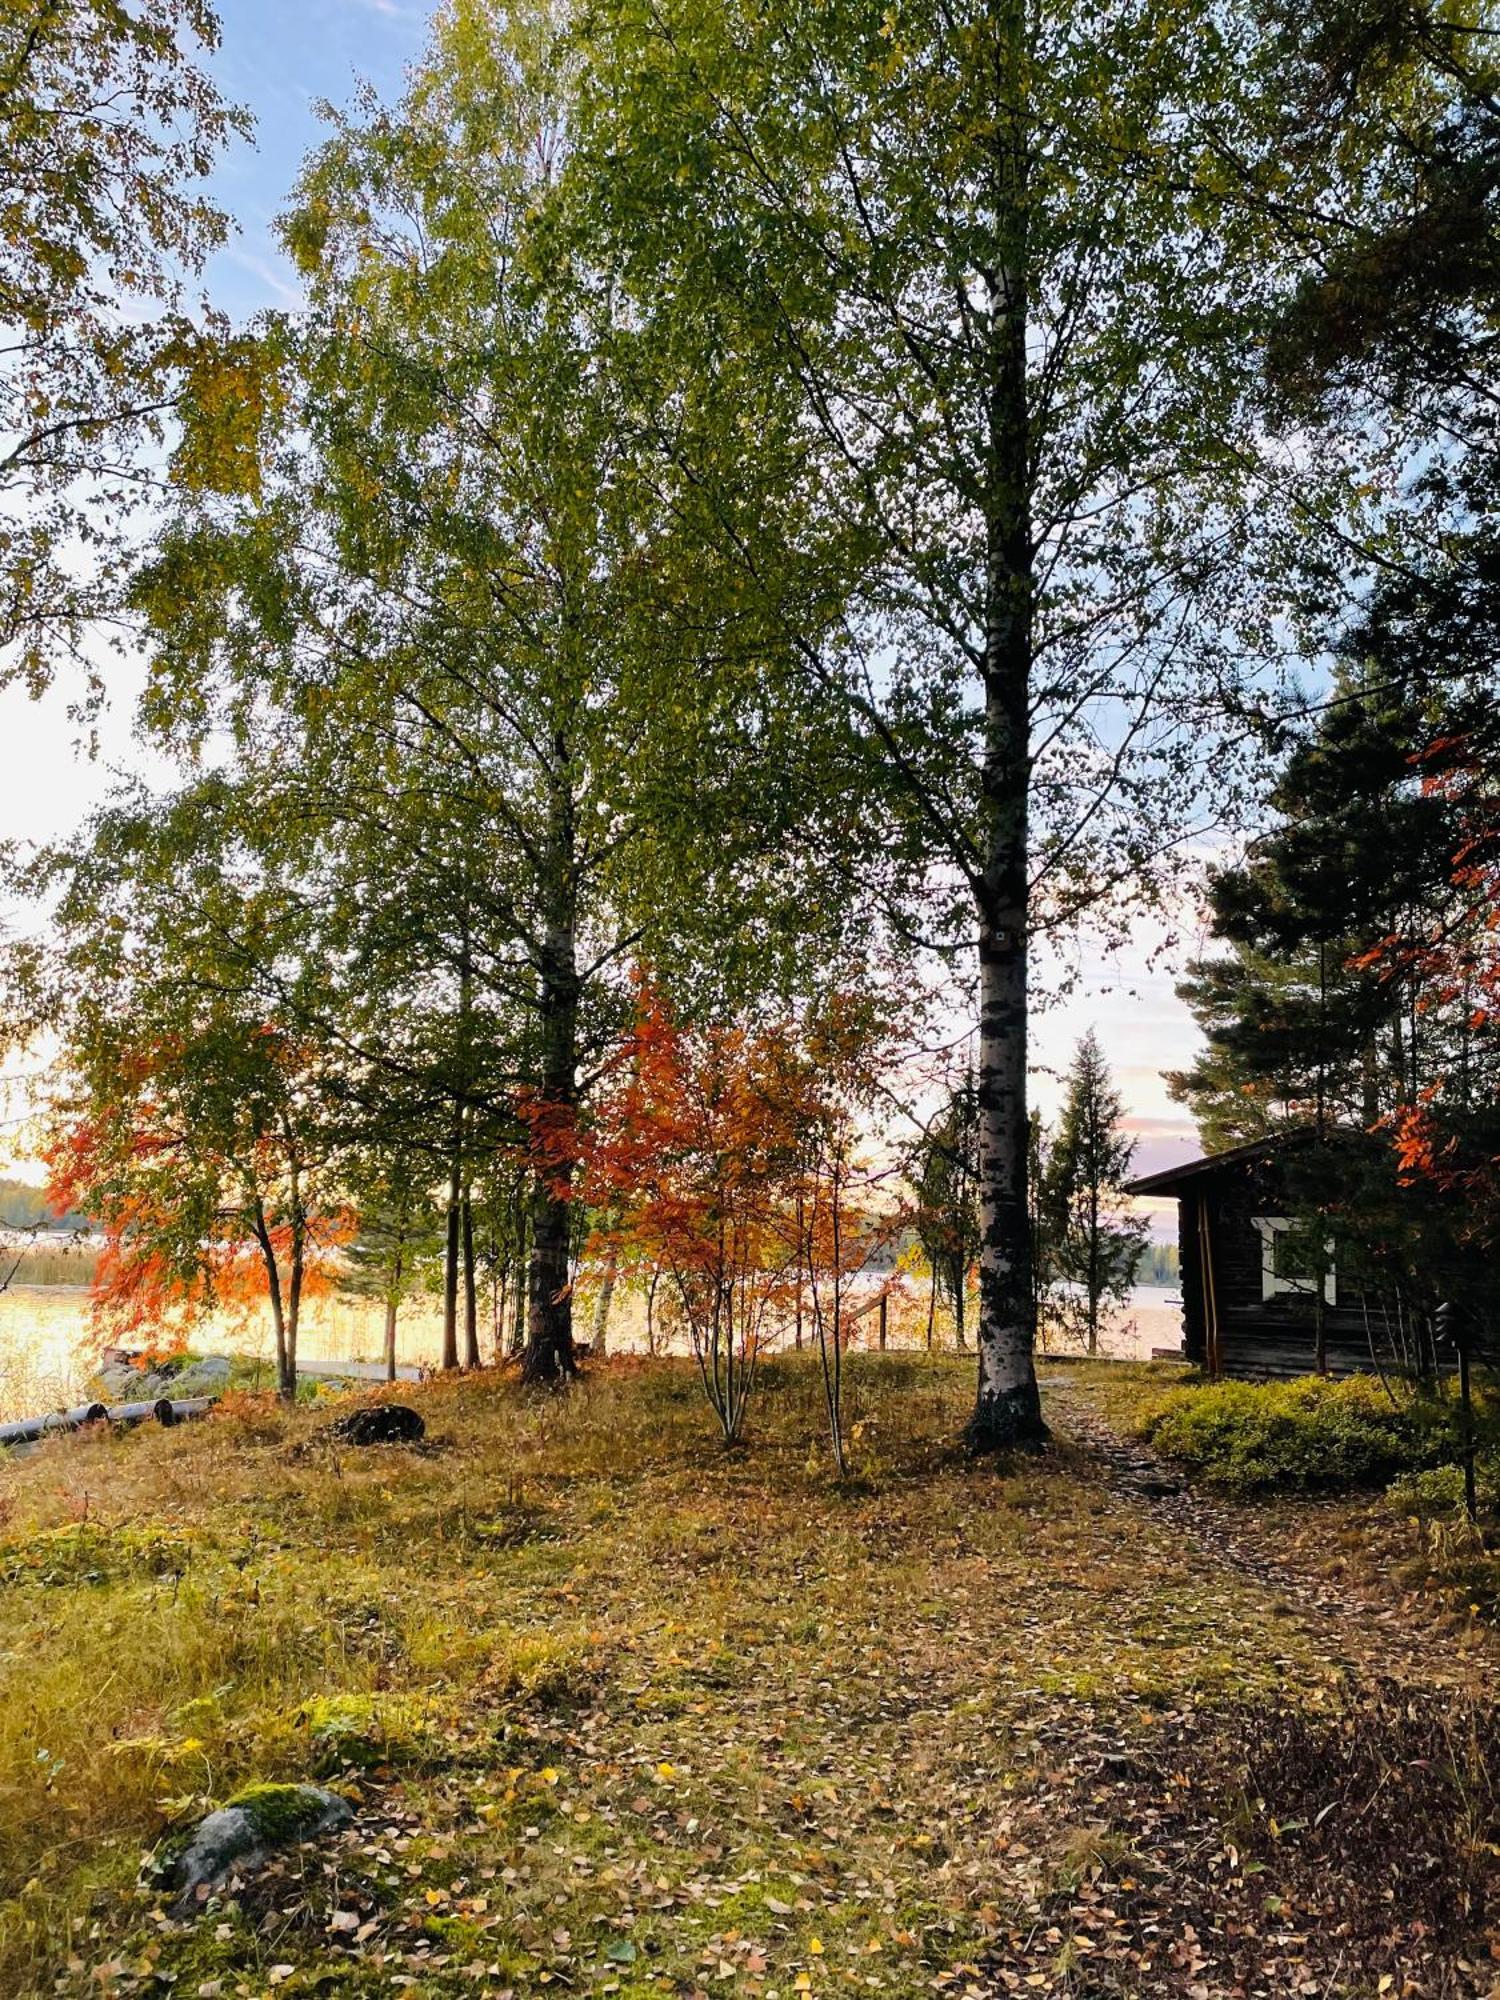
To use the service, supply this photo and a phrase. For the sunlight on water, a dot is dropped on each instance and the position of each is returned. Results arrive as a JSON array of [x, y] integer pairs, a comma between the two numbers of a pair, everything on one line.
[[1153, 1318], [47, 1341]]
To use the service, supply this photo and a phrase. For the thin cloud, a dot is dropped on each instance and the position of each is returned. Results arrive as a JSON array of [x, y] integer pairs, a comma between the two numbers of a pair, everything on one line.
[[266, 274]]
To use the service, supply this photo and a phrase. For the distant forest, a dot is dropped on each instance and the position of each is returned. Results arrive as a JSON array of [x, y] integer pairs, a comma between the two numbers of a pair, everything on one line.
[[1158, 1265], [24, 1207]]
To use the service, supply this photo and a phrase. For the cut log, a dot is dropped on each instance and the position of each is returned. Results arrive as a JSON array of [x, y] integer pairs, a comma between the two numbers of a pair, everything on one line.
[[164, 1410]]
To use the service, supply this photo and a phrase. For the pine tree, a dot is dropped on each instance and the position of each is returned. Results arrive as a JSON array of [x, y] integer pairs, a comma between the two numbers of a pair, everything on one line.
[[946, 1173], [1302, 1028], [1098, 1241]]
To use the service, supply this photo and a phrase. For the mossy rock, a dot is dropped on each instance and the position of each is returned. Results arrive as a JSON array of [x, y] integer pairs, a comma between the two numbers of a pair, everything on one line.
[[243, 1833], [281, 1814]]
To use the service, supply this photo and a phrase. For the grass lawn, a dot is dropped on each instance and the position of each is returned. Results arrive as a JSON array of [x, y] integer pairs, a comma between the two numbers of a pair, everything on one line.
[[623, 1714]]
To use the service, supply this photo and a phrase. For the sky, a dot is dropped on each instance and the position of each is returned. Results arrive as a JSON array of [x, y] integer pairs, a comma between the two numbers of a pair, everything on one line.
[[280, 59]]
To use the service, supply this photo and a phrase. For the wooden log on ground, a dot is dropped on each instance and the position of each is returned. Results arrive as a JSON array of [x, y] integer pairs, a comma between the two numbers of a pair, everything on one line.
[[163, 1410]]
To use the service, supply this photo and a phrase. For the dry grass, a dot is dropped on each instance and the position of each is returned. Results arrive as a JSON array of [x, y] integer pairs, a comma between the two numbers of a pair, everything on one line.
[[72, 1264], [624, 1713]]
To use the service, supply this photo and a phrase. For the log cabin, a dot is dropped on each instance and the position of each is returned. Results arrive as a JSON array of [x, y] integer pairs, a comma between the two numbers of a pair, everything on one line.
[[1258, 1299]]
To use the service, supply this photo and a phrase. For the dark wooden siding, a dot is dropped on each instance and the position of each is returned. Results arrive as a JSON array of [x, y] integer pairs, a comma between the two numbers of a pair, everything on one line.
[[1190, 1278], [1260, 1337]]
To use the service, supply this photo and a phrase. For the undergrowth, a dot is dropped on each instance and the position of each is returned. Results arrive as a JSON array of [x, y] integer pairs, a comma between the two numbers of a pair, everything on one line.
[[621, 1712], [1311, 1435]]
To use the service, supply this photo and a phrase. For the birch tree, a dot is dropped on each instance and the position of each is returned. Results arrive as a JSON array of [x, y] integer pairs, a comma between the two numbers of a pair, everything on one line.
[[987, 250], [108, 124], [447, 586]]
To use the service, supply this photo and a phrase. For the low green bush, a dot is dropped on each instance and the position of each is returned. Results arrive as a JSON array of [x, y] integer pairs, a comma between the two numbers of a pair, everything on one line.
[[1438, 1494], [1307, 1436]]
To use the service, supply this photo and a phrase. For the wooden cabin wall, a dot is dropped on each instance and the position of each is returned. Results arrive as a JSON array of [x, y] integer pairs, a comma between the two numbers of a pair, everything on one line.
[[1230, 1321], [1190, 1279], [1260, 1337]]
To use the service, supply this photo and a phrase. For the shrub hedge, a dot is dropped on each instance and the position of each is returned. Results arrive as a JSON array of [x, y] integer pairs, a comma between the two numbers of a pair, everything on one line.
[[1308, 1436]]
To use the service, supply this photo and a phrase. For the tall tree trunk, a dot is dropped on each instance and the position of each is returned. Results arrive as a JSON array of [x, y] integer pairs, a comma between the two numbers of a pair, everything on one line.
[[522, 1274], [549, 1311], [1007, 1409], [471, 1287], [286, 1366], [500, 1302], [393, 1297], [294, 1287], [1369, 1079], [518, 1314], [1320, 1326], [549, 1324], [600, 1335], [451, 1246], [457, 1177]]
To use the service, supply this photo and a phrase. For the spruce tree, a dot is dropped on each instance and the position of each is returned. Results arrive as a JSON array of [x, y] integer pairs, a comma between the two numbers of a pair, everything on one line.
[[1098, 1241], [946, 1172]]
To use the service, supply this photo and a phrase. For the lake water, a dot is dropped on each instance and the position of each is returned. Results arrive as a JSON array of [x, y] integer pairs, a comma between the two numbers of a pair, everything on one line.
[[1151, 1318], [46, 1340]]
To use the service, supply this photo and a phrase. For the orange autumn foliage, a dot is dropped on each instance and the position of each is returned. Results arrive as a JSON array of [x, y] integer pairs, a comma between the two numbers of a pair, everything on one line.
[[181, 1208], [690, 1144], [727, 1157]]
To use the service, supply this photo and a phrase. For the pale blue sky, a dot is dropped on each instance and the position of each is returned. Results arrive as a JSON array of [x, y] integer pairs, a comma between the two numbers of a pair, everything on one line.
[[280, 59]]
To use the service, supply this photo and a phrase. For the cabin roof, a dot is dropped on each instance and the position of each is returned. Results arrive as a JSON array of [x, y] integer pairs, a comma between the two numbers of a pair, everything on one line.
[[1172, 1179]]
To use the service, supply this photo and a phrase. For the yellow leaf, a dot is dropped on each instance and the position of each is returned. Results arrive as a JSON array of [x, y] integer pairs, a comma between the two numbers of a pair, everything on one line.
[[815, 1944]]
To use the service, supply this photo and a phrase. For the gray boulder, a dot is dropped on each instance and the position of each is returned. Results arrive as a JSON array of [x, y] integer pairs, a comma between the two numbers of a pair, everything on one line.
[[208, 1377], [242, 1835], [120, 1380]]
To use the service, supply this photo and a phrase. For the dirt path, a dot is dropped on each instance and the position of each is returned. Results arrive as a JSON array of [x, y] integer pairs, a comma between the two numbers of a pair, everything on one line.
[[1367, 1626]]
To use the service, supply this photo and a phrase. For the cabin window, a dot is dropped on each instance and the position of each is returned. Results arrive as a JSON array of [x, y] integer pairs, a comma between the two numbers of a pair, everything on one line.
[[1286, 1262]]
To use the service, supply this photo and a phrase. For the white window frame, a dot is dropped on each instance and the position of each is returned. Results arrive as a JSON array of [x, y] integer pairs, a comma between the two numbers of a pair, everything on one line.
[[1273, 1282]]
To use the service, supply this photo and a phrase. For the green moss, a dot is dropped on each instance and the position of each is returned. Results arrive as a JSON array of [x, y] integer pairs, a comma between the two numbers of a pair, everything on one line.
[[361, 1730], [83, 1553], [207, 1951], [280, 1814], [747, 1906]]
